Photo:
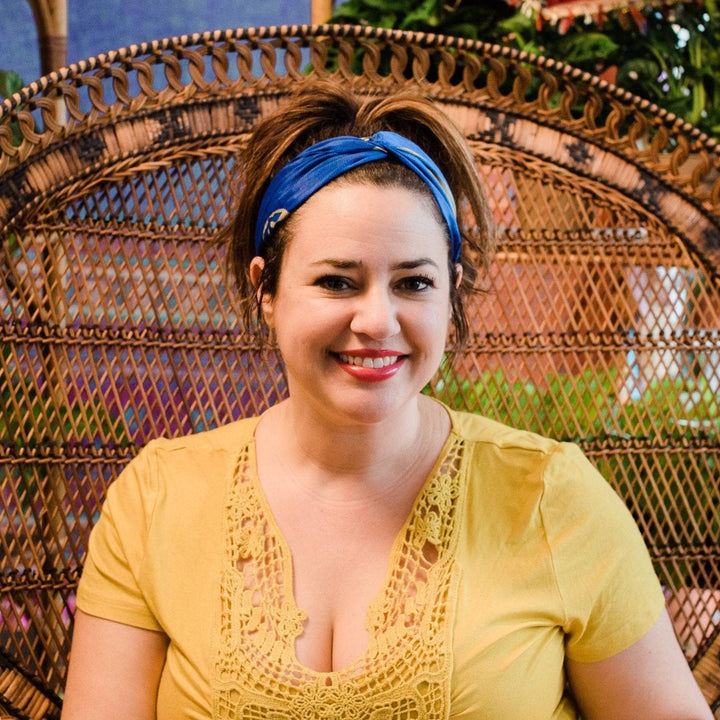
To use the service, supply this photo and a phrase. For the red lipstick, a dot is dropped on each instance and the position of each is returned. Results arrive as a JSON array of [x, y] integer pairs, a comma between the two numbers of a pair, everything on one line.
[[370, 365]]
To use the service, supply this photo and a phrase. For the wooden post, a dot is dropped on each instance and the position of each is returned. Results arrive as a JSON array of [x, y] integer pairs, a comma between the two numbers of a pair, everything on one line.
[[321, 11], [51, 19]]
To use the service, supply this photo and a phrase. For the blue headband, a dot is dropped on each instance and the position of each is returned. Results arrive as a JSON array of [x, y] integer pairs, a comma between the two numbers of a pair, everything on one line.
[[317, 165]]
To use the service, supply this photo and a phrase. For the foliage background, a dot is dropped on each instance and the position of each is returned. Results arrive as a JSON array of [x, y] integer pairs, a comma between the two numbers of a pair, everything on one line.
[[666, 53]]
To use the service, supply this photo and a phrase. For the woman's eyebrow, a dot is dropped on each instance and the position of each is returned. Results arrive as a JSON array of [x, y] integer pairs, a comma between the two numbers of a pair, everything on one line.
[[412, 264], [352, 264], [340, 264]]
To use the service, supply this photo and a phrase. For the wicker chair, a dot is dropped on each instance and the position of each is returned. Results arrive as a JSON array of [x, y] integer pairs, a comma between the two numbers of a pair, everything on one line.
[[603, 324]]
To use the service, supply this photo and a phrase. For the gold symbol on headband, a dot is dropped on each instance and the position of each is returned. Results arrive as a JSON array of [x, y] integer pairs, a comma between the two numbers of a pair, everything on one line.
[[275, 217]]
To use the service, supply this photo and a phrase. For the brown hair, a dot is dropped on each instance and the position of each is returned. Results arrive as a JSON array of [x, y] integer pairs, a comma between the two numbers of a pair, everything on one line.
[[324, 110]]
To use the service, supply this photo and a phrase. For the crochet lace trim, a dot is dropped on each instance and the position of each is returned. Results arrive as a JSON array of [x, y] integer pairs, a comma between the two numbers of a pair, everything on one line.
[[405, 670]]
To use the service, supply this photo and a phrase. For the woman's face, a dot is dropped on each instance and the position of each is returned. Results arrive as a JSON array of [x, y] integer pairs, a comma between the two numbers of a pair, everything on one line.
[[362, 305]]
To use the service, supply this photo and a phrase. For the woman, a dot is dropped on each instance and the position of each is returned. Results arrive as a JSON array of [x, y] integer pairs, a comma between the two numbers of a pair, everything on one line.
[[360, 551]]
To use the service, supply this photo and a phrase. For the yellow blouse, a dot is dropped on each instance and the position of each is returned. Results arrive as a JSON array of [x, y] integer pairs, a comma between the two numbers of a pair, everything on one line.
[[516, 554]]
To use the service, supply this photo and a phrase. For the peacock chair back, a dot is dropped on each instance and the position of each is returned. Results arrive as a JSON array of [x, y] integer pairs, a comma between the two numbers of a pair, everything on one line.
[[602, 325]]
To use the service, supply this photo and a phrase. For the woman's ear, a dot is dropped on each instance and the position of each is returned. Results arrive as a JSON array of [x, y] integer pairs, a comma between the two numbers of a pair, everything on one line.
[[257, 265], [458, 275], [458, 280]]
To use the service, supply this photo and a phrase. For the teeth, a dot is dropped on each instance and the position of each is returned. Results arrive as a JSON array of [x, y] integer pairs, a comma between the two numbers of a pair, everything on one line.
[[367, 362]]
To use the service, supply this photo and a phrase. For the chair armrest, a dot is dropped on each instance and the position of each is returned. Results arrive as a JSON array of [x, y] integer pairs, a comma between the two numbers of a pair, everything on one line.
[[22, 695], [706, 669]]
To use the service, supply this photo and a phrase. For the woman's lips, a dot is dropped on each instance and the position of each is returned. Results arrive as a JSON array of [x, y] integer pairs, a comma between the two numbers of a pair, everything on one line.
[[371, 366]]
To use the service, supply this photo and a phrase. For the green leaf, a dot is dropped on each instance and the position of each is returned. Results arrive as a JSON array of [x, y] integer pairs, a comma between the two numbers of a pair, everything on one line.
[[392, 6], [427, 14], [587, 47], [519, 23], [10, 83]]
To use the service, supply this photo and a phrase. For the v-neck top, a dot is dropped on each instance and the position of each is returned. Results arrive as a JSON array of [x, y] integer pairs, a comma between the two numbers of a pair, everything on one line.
[[515, 554]]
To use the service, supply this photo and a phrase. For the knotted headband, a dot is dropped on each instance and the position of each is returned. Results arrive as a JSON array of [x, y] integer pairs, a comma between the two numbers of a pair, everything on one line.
[[317, 165]]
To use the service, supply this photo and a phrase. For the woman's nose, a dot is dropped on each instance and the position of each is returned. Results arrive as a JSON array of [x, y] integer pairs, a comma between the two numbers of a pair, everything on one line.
[[375, 314]]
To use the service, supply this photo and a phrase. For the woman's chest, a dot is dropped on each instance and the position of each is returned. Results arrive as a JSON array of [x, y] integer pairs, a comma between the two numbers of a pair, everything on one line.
[[363, 620], [338, 557], [336, 576]]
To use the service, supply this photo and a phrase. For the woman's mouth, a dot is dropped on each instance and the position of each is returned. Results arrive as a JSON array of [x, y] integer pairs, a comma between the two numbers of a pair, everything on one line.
[[370, 366], [369, 362]]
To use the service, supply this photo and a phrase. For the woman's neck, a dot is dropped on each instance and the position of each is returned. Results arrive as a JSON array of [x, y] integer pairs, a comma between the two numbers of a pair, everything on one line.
[[360, 459]]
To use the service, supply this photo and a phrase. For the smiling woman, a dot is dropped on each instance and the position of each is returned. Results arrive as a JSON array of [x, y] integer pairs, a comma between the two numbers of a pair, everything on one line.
[[360, 550], [362, 299]]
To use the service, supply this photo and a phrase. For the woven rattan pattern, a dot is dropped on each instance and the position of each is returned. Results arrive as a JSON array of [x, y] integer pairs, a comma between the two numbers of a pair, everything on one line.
[[602, 324]]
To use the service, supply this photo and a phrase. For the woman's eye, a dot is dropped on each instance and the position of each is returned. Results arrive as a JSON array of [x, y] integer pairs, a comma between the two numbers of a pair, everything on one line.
[[333, 282], [417, 283]]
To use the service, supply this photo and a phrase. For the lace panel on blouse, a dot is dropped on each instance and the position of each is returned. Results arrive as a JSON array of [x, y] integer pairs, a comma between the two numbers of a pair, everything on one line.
[[404, 673]]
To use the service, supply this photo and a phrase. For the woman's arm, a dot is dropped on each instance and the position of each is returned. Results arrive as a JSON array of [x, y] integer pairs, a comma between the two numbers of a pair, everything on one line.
[[114, 671], [650, 680]]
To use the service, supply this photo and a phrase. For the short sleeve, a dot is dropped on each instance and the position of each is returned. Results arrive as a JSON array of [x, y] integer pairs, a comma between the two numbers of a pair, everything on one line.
[[110, 586], [608, 587]]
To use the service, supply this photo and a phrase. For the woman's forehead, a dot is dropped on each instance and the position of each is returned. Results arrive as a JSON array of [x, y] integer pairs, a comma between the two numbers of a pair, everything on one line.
[[360, 218]]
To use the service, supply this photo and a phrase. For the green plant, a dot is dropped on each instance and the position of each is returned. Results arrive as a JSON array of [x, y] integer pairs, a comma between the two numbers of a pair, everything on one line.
[[666, 54], [564, 406], [10, 83], [586, 406], [460, 19]]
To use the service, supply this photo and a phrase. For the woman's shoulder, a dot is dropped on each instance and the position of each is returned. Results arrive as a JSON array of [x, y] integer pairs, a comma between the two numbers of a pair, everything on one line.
[[194, 460], [513, 466], [484, 430], [173, 477], [509, 457], [225, 438]]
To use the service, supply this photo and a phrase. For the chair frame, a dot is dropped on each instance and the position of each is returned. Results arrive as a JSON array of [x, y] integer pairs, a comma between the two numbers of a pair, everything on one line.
[[150, 106]]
